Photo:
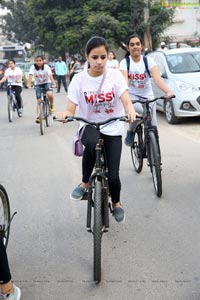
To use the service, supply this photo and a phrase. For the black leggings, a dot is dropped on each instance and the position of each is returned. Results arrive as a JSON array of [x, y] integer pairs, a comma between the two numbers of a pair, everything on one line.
[[5, 275], [18, 89], [113, 148]]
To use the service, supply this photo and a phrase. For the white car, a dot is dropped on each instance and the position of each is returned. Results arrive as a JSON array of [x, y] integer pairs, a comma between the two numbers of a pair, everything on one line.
[[180, 69]]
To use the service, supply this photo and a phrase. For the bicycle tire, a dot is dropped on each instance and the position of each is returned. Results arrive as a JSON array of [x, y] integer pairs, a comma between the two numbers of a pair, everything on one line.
[[155, 163], [97, 230], [47, 113], [42, 114], [137, 149], [4, 215], [10, 108]]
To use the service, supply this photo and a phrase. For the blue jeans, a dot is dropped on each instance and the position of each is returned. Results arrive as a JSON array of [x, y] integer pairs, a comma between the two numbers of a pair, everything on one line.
[[46, 86]]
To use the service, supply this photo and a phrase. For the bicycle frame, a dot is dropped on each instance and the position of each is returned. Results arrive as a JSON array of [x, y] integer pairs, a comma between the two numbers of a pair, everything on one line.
[[146, 145], [98, 195]]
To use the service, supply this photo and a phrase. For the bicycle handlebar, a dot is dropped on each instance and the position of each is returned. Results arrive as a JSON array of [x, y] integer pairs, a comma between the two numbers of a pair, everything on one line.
[[146, 100], [97, 124]]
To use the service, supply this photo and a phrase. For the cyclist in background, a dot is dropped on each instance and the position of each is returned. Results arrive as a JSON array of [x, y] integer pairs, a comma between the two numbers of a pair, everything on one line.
[[112, 62], [113, 101], [43, 78], [139, 81], [14, 76], [8, 290]]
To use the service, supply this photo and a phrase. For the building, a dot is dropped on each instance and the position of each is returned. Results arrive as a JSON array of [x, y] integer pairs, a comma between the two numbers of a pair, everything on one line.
[[186, 25]]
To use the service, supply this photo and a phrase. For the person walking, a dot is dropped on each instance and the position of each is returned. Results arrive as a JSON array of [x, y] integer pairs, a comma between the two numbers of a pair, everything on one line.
[[61, 73], [8, 291], [112, 101]]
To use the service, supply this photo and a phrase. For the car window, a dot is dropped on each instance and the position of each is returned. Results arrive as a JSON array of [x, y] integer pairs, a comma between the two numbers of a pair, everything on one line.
[[160, 61], [184, 62]]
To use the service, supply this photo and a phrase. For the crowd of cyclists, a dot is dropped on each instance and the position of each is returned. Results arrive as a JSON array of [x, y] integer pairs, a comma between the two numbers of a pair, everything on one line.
[[119, 84]]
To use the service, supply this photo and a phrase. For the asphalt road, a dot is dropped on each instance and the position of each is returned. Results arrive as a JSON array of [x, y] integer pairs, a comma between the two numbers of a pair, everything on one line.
[[154, 255]]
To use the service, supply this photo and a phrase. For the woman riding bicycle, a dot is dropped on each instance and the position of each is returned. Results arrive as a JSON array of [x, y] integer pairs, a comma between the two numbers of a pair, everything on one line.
[[43, 78], [138, 79], [14, 76], [111, 101]]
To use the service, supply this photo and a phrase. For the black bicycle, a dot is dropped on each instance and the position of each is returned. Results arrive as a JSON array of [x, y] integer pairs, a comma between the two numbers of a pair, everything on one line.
[[12, 104], [146, 145], [5, 216], [98, 204], [44, 111]]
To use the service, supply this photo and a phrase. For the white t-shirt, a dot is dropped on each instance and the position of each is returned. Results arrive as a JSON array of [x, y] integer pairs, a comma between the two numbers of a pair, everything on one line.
[[139, 81], [41, 76], [112, 63], [14, 75], [82, 91]]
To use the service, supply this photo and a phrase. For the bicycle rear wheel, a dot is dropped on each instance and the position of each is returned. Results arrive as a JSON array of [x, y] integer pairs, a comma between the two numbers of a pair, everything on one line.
[[4, 216], [136, 150], [42, 117], [10, 108], [155, 163], [97, 230]]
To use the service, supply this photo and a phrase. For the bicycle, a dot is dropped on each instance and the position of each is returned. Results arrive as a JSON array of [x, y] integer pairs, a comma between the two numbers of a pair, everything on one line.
[[5, 216], [98, 204], [146, 145], [45, 112], [12, 104]]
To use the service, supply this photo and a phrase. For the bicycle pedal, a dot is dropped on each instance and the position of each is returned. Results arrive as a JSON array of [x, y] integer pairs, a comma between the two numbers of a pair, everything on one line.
[[85, 196], [89, 230]]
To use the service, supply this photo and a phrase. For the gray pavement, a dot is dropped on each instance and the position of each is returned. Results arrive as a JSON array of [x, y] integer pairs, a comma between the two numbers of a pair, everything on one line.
[[154, 255]]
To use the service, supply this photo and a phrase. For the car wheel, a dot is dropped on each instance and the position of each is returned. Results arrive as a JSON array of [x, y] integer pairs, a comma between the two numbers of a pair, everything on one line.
[[169, 113]]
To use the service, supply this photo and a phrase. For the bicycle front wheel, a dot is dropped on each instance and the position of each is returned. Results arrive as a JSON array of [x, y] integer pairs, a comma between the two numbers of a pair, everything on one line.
[[10, 108], [4, 216], [97, 230], [155, 163], [136, 150], [47, 113], [42, 117]]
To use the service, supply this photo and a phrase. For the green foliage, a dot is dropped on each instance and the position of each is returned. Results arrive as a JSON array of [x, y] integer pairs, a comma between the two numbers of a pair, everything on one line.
[[66, 25]]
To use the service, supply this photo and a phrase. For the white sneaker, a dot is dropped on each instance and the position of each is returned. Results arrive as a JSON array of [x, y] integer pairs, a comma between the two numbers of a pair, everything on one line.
[[15, 296]]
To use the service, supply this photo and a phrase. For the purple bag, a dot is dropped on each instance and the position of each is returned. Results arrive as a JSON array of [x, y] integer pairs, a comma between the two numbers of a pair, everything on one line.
[[77, 146]]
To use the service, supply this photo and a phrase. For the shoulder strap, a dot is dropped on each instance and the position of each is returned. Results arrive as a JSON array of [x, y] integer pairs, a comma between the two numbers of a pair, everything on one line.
[[146, 65], [127, 63]]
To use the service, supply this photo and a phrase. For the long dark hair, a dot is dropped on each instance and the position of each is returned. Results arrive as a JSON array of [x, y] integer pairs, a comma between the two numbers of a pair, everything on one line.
[[94, 42], [132, 36], [36, 66]]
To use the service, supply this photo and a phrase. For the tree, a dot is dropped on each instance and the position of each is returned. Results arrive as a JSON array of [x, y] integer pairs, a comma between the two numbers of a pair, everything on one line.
[[69, 24]]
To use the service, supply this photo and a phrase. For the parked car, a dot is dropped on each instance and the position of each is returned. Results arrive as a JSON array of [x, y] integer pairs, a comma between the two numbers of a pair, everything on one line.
[[26, 73], [173, 45], [180, 69]]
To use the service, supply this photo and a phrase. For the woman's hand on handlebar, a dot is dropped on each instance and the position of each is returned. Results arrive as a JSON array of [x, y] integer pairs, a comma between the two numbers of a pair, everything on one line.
[[132, 116], [169, 95], [62, 116]]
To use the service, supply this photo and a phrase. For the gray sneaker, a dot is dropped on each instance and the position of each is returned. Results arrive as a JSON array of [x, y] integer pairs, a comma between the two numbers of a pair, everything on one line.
[[15, 296], [78, 193], [119, 214]]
